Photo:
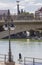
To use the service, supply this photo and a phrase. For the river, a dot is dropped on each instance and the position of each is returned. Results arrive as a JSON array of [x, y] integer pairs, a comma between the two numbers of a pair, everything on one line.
[[27, 48]]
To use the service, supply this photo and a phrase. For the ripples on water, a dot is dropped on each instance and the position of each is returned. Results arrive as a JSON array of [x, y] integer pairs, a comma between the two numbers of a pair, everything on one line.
[[27, 47]]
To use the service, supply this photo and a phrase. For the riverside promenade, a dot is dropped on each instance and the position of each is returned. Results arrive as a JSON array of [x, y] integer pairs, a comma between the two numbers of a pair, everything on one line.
[[26, 61]]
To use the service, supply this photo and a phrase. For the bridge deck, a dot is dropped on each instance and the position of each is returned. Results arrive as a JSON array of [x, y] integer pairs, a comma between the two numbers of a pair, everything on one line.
[[22, 25]]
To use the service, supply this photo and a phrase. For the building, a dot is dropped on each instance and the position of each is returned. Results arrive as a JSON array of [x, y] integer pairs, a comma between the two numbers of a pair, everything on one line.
[[38, 14], [3, 14], [24, 16]]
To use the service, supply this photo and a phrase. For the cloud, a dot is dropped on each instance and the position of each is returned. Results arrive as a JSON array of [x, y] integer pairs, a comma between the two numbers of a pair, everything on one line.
[[31, 5], [7, 5], [29, 0], [38, 4], [28, 5], [11, 6]]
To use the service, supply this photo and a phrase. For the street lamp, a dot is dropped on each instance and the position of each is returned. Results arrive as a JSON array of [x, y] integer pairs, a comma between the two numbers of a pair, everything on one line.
[[18, 11], [9, 26]]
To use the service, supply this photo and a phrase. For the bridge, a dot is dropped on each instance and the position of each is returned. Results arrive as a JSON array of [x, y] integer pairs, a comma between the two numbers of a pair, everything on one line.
[[22, 25]]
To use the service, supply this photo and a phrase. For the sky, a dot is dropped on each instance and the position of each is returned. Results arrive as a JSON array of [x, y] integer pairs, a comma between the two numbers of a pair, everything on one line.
[[26, 5]]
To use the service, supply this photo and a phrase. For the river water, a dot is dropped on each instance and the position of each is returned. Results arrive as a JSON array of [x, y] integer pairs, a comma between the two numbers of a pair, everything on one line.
[[27, 48]]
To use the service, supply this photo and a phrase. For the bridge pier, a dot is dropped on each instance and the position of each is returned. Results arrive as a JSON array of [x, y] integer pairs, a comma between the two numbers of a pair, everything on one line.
[[32, 33], [37, 33]]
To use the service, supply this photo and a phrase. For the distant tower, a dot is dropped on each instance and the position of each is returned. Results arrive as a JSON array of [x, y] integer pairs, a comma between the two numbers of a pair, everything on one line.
[[18, 11], [21, 10]]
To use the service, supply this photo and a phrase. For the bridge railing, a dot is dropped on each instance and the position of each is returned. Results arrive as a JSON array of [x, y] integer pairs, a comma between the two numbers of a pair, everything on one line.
[[32, 61], [34, 20], [17, 21]]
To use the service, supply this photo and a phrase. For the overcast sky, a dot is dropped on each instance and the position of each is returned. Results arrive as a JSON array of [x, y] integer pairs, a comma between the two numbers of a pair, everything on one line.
[[26, 5]]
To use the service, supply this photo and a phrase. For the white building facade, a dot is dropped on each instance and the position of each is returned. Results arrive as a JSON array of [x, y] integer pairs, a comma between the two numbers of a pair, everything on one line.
[[38, 14]]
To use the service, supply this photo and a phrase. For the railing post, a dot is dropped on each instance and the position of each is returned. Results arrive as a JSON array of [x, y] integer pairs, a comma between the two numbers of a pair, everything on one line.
[[33, 61], [24, 60], [5, 59]]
